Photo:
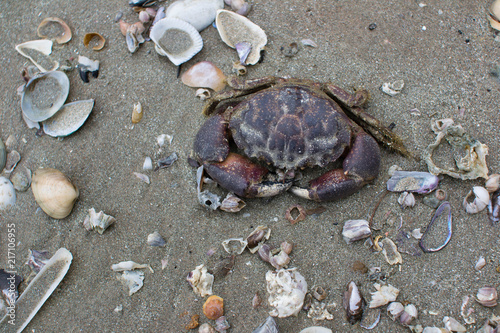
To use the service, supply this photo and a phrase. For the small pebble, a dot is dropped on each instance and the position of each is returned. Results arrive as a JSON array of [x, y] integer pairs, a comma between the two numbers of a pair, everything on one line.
[[372, 26]]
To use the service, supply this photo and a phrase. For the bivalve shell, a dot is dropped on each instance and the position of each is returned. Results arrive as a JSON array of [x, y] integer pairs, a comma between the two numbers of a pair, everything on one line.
[[204, 75], [54, 192], [63, 34], [38, 52], [487, 296], [7, 194], [176, 39], [234, 29], [69, 118], [44, 95], [476, 200], [199, 13]]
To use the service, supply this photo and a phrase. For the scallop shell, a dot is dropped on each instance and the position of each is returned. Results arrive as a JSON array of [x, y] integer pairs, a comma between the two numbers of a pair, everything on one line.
[[7, 194], [176, 39], [44, 95], [38, 52], [54, 192], [234, 29], [204, 75], [63, 37], [69, 118], [199, 13]]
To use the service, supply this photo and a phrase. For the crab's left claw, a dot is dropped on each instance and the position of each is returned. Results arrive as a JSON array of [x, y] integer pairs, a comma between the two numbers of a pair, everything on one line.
[[361, 166]]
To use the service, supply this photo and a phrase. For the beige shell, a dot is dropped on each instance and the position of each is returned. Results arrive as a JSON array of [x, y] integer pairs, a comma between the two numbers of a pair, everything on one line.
[[137, 113], [64, 32], [54, 192], [234, 29], [494, 15]]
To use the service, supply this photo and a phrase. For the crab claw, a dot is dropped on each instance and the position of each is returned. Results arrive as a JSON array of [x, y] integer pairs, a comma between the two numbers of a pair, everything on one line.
[[244, 178], [359, 167]]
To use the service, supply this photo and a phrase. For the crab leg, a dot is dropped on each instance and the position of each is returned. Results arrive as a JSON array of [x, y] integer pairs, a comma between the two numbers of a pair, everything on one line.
[[243, 177], [359, 167]]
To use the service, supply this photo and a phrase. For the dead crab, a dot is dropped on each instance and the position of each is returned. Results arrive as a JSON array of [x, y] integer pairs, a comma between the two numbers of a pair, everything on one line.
[[290, 124]]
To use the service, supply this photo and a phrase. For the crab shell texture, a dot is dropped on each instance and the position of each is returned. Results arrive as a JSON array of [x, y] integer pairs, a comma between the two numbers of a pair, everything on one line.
[[286, 125]]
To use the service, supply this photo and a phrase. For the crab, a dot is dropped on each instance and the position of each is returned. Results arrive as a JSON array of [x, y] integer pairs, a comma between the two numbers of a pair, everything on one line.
[[281, 126]]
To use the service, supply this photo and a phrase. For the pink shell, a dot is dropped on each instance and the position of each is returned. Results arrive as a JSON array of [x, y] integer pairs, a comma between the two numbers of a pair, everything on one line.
[[204, 75]]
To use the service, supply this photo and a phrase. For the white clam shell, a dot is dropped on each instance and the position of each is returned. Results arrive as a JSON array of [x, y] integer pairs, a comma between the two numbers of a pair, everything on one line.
[[234, 29], [54, 192], [7, 194], [480, 201], [176, 39], [44, 95], [38, 52], [199, 13], [69, 118]]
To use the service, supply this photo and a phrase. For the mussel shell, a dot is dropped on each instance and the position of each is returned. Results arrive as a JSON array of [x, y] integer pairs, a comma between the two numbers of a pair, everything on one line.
[[353, 303], [44, 95]]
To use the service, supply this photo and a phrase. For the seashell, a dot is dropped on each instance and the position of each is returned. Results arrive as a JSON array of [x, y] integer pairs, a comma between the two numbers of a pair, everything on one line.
[[204, 75], [201, 281], [256, 300], [476, 200], [44, 95], [239, 69], [86, 66], [453, 325], [353, 303], [54, 192], [203, 94], [160, 15], [38, 52], [394, 310], [316, 329], [309, 42], [167, 161], [206, 328], [320, 311], [97, 221], [269, 326], [96, 40], [38, 259], [487, 296], [240, 7], [416, 233], [264, 252], [133, 280], [412, 181], [279, 260], [198, 13], [392, 89], [144, 16], [13, 157], [494, 207], [148, 164], [209, 200], [494, 15], [406, 199], [286, 247], [319, 293], [155, 239], [234, 245], [3, 155], [68, 119], [137, 113], [21, 179], [232, 204], [7, 194], [390, 252], [384, 295], [142, 177], [493, 183], [301, 214], [442, 215], [221, 324], [354, 230], [434, 329], [480, 263], [141, 3], [213, 308], [409, 313], [133, 35], [441, 195], [176, 39], [243, 49], [370, 319], [287, 289], [466, 312], [162, 138], [63, 34], [290, 50], [234, 29], [129, 266]]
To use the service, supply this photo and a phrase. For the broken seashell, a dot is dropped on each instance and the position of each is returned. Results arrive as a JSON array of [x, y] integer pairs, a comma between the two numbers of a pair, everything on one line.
[[392, 89], [232, 204], [38, 259], [148, 164], [129, 266], [176, 39], [279, 260], [62, 33], [7, 194], [264, 252], [480, 263], [316, 329], [38, 52], [97, 221], [319, 311], [166, 161], [13, 157], [300, 216], [409, 313], [453, 325], [240, 7], [239, 69], [469, 153], [209, 200], [199, 13], [203, 94], [44, 95], [94, 39], [155, 239], [441, 195], [206, 328], [476, 200], [133, 35], [354, 230], [287, 289], [416, 233], [494, 15], [406, 199], [234, 29], [221, 324], [384, 295], [54, 192], [86, 66], [133, 280], [308, 42], [201, 281], [493, 183], [319, 293], [68, 119], [21, 179], [390, 252], [213, 308], [354, 303], [137, 113], [243, 49], [269, 326], [442, 216], [394, 310], [234, 245], [494, 207], [3, 155], [487, 296], [370, 319], [204, 75], [412, 181], [142, 177]]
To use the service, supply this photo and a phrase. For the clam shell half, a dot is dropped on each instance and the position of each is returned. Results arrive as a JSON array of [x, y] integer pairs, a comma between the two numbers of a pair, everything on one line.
[[44, 95], [69, 118], [199, 13], [176, 39]]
